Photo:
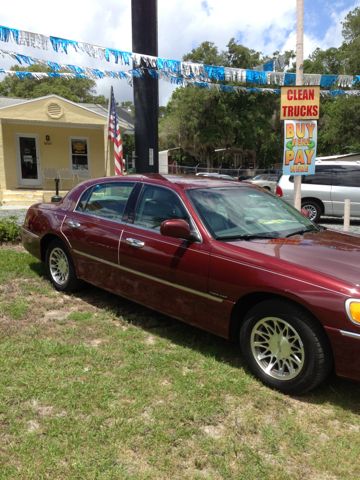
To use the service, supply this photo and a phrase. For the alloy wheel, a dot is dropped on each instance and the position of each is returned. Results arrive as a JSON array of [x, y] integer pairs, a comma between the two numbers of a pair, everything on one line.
[[277, 348]]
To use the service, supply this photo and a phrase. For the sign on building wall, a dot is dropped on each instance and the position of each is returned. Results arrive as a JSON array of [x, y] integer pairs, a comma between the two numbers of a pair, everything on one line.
[[299, 147], [299, 103]]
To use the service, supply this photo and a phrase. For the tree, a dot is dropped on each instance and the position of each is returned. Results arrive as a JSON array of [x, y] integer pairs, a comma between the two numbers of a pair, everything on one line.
[[238, 56], [326, 62], [351, 26], [198, 121], [73, 89], [206, 53], [339, 126], [351, 45]]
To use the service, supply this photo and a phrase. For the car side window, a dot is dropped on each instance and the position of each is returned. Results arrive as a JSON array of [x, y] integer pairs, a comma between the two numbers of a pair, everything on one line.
[[106, 200], [155, 205], [83, 201], [346, 175], [322, 176]]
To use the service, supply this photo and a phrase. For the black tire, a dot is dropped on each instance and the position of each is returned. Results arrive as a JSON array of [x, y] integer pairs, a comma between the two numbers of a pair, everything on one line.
[[313, 208], [283, 336], [60, 268]]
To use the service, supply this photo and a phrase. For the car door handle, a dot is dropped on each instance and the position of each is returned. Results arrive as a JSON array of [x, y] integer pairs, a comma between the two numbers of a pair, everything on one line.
[[73, 225], [134, 243]]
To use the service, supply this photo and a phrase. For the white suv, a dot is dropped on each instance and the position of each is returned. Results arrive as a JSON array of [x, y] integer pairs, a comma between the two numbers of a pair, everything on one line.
[[324, 192]]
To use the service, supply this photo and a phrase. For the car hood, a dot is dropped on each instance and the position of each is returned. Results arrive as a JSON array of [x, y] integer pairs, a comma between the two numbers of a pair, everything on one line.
[[329, 252]]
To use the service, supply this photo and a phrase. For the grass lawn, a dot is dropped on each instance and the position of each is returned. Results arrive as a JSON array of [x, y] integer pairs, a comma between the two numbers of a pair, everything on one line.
[[93, 386]]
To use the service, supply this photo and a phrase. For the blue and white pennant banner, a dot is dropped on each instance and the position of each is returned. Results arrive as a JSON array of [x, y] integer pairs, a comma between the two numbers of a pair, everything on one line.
[[193, 72]]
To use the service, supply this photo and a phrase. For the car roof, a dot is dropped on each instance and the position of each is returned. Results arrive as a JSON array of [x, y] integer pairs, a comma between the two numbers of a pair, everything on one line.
[[184, 182]]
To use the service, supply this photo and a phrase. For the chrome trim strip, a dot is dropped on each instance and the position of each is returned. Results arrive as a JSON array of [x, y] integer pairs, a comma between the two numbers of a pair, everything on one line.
[[121, 234], [30, 233], [164, 282], [62, 233], [280, 274], [98, 217], [347, 308], [350, 334]]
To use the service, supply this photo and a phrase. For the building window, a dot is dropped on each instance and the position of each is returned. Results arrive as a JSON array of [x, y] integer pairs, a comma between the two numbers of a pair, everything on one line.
[[79, 153]]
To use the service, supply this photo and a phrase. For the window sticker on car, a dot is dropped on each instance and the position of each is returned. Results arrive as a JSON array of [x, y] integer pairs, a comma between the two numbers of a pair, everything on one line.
[[277, 221]]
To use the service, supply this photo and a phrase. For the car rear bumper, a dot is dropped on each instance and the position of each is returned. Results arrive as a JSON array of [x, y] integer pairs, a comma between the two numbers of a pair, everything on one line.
[[31, 242]]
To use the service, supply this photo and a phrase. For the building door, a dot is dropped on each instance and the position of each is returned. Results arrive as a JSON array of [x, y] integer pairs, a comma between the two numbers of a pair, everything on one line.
[[28, 159]]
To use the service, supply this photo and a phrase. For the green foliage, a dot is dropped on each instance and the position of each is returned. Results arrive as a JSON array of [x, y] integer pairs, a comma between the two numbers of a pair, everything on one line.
[[326, 62], [238, 56], [9, 230], [206, 53], [73, 89], [339, 126], [201, 121], [128, 143], [351, 26]]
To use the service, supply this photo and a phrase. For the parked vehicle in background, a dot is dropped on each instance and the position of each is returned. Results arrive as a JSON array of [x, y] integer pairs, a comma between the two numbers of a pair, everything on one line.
[[324, 192], [244, 177], [216, 175], [227, 257], [266, 180]]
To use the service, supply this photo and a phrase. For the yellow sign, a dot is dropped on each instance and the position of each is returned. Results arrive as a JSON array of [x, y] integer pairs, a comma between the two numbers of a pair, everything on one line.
[[300, 103]]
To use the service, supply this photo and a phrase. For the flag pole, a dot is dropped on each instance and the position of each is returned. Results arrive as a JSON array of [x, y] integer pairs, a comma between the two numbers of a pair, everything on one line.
[[107, 136]]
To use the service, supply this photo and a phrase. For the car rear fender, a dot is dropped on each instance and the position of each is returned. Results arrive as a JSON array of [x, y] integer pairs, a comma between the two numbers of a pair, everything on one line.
[[45, 241]]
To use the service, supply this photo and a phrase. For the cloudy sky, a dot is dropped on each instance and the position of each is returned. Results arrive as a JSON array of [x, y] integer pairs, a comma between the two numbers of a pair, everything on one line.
[[264, 26]]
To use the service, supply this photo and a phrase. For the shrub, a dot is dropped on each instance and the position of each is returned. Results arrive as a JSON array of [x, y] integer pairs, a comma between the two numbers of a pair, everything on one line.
[[9, 230]]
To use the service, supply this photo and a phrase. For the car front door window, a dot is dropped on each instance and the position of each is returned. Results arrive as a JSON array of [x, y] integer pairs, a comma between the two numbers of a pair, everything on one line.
[[156, 205]]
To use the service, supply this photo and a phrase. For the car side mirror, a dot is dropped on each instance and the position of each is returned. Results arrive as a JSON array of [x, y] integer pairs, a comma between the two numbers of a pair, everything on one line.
[[176, 228]]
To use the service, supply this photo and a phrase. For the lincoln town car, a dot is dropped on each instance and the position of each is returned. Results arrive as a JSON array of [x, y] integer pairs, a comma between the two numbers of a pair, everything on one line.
[[228, 257]]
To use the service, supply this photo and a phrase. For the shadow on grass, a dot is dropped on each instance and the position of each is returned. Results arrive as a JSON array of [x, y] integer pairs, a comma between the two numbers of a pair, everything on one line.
[[39, 269], [334, 390]]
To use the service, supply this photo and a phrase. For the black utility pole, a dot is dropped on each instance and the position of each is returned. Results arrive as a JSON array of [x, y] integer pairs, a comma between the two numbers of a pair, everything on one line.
[[146, 89]]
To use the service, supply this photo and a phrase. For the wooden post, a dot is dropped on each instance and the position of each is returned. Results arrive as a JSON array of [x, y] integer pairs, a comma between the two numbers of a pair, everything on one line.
[[299, 81]]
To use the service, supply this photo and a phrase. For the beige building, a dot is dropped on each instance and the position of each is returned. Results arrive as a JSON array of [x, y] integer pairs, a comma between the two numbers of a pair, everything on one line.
[[52, 132]]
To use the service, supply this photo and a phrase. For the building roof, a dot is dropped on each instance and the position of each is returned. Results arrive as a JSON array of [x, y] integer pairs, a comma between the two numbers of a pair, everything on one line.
[[123, 115], [347, 156]]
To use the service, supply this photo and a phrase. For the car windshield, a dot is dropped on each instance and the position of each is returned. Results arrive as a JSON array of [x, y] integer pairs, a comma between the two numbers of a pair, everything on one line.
[[246, 213], [259, 177]]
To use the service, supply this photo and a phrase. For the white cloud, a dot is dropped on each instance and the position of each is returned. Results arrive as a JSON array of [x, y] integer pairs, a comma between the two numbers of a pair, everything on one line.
[[182, 25]]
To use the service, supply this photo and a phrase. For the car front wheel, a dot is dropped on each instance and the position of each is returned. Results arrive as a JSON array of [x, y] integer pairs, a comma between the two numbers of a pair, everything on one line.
[[285, 347], [60, 268], [313, 209]]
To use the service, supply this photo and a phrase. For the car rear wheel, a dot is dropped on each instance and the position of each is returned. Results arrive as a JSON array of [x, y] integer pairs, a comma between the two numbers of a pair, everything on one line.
[[285, 347], [60, 268], [313, 209]]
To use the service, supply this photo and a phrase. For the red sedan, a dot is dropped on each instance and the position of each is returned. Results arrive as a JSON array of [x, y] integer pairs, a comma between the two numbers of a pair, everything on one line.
[[227, 257]]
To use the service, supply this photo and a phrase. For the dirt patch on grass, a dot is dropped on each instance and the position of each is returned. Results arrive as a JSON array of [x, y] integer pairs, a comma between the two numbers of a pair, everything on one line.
[[17, 247]]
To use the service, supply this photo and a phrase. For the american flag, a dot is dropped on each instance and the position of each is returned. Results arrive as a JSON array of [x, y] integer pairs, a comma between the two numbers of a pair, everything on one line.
[[114, 136]]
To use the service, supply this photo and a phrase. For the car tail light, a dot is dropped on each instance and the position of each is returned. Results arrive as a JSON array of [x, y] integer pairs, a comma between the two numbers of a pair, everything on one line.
[[279, 192]]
